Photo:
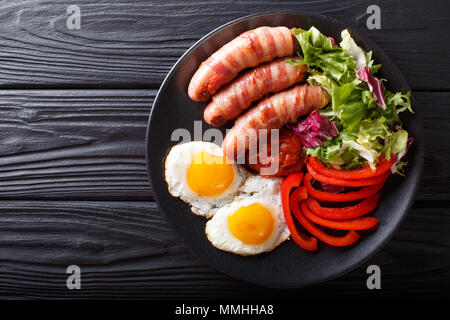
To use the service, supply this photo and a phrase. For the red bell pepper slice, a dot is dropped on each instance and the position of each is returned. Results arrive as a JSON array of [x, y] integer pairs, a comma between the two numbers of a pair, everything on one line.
[[366, 172], [347, 182], [363, 223], [289, 183], [340, 197], [350, 238], [360, 209]]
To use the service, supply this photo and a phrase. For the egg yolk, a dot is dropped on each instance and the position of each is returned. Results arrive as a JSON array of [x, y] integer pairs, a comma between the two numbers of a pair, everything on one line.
[[252, 224], [209, 175]]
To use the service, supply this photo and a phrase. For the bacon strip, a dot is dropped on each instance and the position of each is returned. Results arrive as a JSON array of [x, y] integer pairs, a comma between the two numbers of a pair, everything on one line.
[[272, 113], [247, 50], [251, 86]]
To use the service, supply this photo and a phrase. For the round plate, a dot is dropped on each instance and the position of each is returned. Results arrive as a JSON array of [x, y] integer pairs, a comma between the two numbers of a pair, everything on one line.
[[287, 265]]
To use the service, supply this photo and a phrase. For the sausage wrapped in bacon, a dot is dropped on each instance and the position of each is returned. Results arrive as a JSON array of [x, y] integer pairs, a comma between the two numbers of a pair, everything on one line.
[[251, 86], [272, 113], [251, 48]]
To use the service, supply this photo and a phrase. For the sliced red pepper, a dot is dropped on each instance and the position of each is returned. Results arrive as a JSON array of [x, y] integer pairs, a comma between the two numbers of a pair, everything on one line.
[[350, 238], [366, 172], [363, 223], [360, 209], [347, 182], [340, 197], [292, 181]]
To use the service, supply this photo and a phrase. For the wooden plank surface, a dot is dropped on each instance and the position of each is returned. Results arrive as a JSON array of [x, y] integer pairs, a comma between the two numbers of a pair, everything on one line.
[[73, 184], [74, 144], [133, 44], [90, 144], [127, 249]]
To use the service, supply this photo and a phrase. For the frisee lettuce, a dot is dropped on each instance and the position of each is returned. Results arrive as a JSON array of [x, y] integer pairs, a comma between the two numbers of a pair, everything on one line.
[[365, 128], [319, 52], [350, 46]]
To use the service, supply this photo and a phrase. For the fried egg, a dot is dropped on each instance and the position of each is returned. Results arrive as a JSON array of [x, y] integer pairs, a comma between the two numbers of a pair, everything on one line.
[[253, 222], [199, 174]]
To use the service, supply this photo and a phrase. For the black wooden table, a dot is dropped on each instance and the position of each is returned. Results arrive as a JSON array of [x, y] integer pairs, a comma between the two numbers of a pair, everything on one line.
[[74, 106]]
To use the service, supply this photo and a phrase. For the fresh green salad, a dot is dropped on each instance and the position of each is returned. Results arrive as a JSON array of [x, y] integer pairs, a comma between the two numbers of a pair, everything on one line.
[[362, 117]]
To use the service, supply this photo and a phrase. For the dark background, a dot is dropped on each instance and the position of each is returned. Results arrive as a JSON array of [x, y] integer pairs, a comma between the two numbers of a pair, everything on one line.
[[74, 106]]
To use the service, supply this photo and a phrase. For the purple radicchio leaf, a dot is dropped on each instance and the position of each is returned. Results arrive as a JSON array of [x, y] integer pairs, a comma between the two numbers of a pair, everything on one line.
[[315, 130], [333, 42], [375, 85]]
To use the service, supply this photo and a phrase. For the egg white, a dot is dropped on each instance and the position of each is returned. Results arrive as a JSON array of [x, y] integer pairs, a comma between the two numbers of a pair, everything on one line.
[[176, 166], [256, 189]]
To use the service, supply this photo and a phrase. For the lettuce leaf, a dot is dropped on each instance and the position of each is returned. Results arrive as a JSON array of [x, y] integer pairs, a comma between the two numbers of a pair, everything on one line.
[[398, 141], [349, 45], [319, 79], [348, 105], [315, 129], [374, 84], [366, 130], [333, 154], [320, 53], [399, 99]]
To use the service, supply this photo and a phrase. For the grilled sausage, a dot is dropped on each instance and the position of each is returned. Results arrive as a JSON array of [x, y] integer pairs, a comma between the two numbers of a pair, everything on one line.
[[251, 48], [251, 86], [272, 113]]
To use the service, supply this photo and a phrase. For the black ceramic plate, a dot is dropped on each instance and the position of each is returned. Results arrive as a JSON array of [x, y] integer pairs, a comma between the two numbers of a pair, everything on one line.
[[288, 265]]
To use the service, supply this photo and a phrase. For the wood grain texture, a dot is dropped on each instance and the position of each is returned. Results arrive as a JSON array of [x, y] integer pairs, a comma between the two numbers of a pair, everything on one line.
[[74, 144], [62, 149], [127, 250], [133, 44], [90, 144], [434, 108]]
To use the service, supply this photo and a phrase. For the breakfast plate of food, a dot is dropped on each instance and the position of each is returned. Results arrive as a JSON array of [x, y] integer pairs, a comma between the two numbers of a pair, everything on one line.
[[284, 149]]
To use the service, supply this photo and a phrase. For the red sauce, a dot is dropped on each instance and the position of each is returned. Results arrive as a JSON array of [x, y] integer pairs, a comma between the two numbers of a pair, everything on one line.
[[290, 158]]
